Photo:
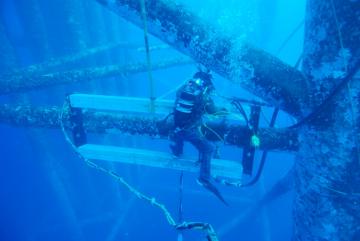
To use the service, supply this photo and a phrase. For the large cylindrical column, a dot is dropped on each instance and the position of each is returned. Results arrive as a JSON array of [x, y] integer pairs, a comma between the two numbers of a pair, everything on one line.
[[327, 201]]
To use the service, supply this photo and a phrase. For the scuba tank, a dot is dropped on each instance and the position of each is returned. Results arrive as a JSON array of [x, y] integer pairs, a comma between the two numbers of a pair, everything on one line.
[[189, 103]]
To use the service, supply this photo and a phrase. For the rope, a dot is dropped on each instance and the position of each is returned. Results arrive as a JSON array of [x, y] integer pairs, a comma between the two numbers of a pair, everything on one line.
[[321, 182], [353, 111], [180, 217], [297, 28], [214, 132], [171, 91], [227, 182], [113, 174], [181, 188], [148, 57], [211, 235]]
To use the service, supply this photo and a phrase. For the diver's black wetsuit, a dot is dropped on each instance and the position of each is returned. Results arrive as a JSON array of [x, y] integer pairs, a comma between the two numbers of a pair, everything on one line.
[[188, 112], [192, 102]]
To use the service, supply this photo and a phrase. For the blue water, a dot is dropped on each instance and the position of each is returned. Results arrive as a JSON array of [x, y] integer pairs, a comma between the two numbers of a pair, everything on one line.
[[48, 193]]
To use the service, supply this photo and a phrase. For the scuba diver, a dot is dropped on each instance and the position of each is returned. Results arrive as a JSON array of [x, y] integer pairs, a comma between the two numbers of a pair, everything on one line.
[[192, 102]]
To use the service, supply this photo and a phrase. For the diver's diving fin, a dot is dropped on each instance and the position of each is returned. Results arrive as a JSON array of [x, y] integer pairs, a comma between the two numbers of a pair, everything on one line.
[[209, 186]]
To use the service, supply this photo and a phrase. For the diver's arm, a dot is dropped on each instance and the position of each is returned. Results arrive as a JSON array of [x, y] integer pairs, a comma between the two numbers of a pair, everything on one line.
[[178, 93], [212, 109]]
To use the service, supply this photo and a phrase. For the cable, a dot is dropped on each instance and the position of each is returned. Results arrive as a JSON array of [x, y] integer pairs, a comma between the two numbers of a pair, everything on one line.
[[264, 154], [338, 88], [345, 82], [237, 103], [333, 93], [239, 107]]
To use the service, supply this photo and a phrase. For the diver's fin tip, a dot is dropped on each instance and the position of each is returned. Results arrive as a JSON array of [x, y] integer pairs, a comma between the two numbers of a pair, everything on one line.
[[210, 187]]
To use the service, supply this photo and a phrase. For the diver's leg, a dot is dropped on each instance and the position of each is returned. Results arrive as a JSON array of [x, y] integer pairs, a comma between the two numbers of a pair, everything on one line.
[[177, 144], [205, 165], [205, 149]]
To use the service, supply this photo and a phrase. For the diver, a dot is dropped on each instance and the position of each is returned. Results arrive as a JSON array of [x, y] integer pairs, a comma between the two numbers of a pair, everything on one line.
[[192, 102]]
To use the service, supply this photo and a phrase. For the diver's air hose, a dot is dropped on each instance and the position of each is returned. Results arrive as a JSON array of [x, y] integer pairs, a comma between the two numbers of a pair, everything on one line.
[[328, 99]]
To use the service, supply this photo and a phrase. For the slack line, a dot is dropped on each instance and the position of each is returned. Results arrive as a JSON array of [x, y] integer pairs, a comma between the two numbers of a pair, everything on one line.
[[205, 227]]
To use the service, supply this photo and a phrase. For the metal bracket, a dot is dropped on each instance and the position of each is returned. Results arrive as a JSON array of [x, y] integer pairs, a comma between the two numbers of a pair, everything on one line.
[[78, 131], [249, 149]]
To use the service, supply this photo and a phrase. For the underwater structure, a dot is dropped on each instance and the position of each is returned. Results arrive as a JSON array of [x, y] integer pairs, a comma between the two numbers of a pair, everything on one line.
[[328, 161], [324, 97]]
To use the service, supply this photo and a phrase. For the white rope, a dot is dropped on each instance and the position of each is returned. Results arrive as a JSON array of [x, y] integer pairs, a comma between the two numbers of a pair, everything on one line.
[[133, 190], [211, 235]]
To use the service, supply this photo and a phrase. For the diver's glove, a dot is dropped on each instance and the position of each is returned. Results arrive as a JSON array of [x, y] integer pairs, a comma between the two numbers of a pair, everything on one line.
[[166, 125]]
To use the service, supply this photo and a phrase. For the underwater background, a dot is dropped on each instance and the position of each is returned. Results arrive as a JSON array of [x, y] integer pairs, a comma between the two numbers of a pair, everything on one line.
[[48, 193]]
